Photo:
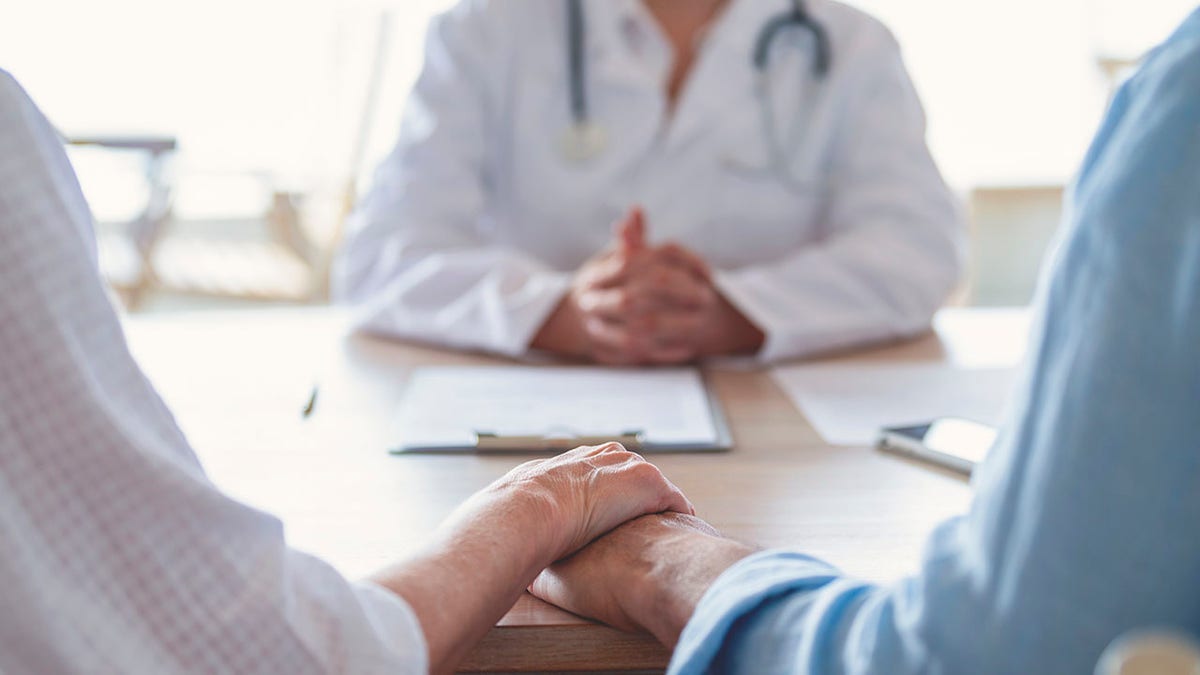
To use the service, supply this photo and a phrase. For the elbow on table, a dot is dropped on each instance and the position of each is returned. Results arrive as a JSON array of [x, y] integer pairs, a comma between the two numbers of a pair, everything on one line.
[[361, 287]]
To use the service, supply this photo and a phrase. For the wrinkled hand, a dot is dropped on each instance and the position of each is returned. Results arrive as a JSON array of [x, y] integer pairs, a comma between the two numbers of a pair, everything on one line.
[[636, 304], [570, 499], [494, 545], [647, 574]]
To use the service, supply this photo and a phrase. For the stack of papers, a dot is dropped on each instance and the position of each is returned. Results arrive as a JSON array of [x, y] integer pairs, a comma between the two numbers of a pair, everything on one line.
[[446, 407], [848, 403]]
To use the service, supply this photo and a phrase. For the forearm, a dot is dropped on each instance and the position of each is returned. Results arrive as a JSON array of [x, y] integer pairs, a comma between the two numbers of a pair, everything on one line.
[[562, 332], [733, 332], [463, 581], [681, 566], [481, 298], [678, 584]]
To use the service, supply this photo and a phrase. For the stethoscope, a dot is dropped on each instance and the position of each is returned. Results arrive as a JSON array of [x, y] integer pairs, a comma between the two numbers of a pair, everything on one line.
[[585, 139]]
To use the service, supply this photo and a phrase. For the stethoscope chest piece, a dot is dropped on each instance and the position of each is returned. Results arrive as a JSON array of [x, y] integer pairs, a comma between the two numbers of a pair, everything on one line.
[[583, 142]]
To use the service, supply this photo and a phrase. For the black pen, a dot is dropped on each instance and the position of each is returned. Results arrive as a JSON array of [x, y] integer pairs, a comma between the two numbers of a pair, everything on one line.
[[309, 407]]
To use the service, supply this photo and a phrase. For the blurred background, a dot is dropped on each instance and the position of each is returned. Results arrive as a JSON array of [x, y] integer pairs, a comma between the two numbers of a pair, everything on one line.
[[221, 143]]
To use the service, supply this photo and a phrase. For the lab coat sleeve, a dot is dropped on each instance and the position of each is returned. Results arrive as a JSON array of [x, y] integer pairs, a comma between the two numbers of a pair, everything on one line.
[[416, 262], [893, 232], [1083, 528]]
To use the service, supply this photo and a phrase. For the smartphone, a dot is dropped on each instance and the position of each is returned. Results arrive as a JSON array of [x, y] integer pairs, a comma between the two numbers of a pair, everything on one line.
[[951, 442]]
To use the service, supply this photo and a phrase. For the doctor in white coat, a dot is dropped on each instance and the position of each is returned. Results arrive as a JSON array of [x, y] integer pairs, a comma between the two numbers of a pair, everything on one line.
[[655, 181]]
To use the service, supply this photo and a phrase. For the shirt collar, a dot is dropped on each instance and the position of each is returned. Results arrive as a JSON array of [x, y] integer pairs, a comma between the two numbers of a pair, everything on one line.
[[612, 23]]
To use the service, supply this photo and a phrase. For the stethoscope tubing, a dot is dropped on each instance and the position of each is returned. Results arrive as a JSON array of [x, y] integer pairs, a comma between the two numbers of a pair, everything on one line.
[[577, 63], [798, 17]]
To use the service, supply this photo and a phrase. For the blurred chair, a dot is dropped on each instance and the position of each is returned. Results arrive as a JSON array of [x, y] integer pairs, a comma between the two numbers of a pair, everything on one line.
[[283, 253], [151, 253], [1012, 230], [134, 275]]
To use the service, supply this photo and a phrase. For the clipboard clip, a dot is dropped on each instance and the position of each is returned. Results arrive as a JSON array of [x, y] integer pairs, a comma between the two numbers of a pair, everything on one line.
[[486, 441]]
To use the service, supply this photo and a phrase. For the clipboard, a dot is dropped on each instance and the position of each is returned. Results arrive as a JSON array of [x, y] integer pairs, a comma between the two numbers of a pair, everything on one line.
[[470, 410]]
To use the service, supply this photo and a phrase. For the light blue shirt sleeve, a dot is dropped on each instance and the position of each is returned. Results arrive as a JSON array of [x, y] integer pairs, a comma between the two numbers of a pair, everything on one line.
[[1086, 516]]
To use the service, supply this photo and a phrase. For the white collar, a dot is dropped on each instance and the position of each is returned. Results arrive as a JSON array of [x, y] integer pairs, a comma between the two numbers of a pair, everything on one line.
[[734, 31]]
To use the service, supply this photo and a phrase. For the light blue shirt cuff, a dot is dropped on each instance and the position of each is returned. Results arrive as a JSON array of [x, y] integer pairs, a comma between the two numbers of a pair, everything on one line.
[[738, 592]]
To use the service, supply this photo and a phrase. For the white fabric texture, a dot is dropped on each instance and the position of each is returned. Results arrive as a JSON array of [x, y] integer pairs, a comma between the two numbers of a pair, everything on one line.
[[117, 555], [476, 222]]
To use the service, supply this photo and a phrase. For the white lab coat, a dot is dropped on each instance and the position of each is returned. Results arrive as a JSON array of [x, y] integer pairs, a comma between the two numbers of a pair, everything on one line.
[[476, 221]]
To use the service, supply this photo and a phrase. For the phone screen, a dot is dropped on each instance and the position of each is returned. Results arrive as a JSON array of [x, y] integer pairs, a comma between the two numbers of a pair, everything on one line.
[[955, 437]]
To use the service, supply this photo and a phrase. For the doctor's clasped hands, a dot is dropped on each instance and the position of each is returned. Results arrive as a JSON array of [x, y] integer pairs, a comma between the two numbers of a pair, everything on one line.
[[636, 304]]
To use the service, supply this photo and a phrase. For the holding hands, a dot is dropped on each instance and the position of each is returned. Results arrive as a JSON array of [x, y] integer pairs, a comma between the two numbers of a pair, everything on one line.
[[635, 304], [649, 574], [570, 499], [494, 545]]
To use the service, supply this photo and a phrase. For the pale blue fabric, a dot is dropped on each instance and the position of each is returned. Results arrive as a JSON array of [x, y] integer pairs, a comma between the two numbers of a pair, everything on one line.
[[1086, 522]]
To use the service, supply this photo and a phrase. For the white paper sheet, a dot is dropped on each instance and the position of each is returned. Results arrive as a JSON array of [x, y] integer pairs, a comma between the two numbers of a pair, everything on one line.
[[447, 405], [848, 403]]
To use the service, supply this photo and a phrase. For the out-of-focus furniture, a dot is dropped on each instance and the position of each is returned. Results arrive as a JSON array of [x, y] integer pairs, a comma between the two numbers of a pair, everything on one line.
[[135, 275], [1115, 69], [281, 253], [1013, 226], [147, 253], [1012, 231]]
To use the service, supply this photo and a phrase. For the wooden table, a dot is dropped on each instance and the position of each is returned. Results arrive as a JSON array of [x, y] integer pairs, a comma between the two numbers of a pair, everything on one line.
[[238, 382]]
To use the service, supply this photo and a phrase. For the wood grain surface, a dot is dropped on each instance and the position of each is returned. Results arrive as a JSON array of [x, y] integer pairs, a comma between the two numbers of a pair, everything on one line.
[[238, 382]]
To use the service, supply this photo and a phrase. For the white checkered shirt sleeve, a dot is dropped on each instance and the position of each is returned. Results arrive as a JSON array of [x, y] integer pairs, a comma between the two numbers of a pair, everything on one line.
[[117, 555]]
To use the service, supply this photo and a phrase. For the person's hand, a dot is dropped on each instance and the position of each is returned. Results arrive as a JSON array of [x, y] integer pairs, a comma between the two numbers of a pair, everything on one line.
[[647, 574], [492, 547], [642, 304], [561, 503], [611, 313], [636, 304]]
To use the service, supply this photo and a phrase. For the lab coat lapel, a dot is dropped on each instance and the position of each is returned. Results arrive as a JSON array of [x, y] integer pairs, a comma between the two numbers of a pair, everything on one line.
[[612, 62], [721, 75]]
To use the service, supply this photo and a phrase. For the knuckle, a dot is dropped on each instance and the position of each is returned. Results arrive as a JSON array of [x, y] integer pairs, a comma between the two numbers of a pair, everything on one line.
[[644, 470]]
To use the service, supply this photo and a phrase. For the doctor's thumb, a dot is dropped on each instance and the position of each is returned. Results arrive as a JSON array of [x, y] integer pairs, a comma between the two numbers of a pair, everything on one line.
[[631, 231]]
